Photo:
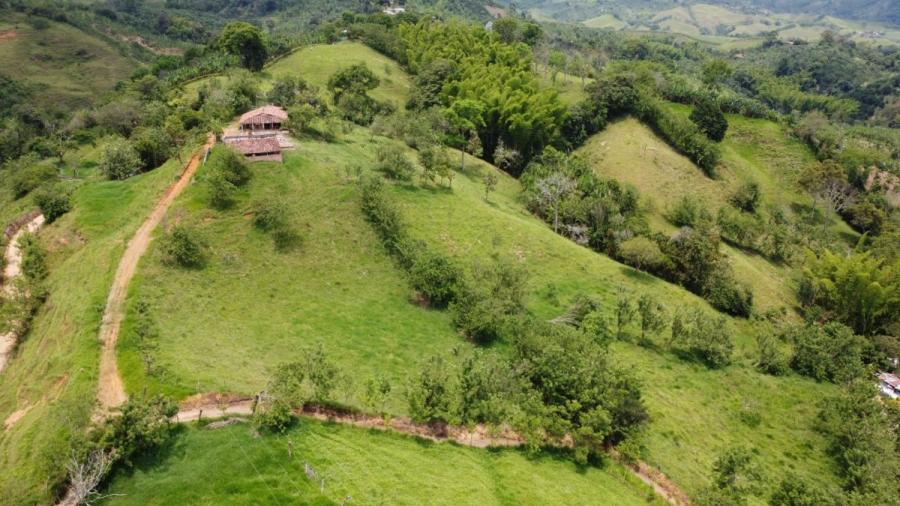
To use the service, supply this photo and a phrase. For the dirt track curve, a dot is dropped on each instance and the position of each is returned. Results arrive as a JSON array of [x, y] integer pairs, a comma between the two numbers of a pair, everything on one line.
[[12, 270], [111, 391]]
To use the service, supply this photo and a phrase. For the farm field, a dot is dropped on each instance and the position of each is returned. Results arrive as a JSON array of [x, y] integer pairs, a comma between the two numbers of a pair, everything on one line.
[[368, 466], [63, 66]]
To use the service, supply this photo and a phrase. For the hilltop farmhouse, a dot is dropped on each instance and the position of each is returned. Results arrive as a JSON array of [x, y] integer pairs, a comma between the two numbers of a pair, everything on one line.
[[260, 134]]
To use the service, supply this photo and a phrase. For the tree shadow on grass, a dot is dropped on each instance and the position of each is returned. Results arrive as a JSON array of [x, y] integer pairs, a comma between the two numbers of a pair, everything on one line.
[[639, 276]]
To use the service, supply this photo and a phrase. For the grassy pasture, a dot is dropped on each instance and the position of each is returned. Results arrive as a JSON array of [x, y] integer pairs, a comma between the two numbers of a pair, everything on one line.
[[224, 327], [231, 466], [52, 378], [317, 63], [607, 21], [63, 66]]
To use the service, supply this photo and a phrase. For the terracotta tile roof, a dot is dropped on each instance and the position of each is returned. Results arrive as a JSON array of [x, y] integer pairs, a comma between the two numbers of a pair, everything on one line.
[[890, 379], [270, 110], [253, 146]]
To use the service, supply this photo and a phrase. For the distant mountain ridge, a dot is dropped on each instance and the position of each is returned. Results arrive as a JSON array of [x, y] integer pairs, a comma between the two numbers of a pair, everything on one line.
[[883, 11]]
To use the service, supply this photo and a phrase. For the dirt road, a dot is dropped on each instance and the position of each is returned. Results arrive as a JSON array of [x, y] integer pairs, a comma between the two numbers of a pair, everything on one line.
[[12, 270], [111, 391]]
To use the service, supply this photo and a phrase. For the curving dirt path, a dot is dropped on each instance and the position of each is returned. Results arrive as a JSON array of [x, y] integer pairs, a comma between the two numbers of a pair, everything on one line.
[[12, 270], [217, 406], [111, 390]]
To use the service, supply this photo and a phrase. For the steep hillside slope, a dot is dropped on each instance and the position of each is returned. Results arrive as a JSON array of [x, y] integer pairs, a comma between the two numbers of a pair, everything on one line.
[[50, 383], [61, 66]]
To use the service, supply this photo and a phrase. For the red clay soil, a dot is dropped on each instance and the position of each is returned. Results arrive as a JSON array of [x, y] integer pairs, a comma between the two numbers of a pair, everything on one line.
[[8, 35], [216, 405], [111, 391]]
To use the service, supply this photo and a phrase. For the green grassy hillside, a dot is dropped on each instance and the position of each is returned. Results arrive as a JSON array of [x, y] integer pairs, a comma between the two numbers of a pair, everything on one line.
[[225, 327], [317, 63], [753, 150], [64, 67], [252, 307], [231, 466], [52, 379]]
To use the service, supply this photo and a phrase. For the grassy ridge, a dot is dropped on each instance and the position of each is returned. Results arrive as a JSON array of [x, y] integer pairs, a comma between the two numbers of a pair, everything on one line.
[[230, 466]]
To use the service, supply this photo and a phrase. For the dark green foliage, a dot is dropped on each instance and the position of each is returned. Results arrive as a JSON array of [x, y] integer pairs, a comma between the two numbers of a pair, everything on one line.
[[383, 214], [771, 359], [829, 352], [286, 90], [736, 475], [34, 259], [858, 289], [360, 108], [702, 336], [584, 396], [687, 212], [393, 163], [429, 84], [431, 398], [153, 146], [313, 379], [270, 214], [142, 426], [273, 216], [221, 191], [53, 201], [435, 276], [747, 196], [354, 80], [184, 247], [245, 41], [727, 294], [651, 315], [232, 166], [488, 300], [680, 133], [27, 175], [709, 119], [796, 491], [862, 432], [119, 160]]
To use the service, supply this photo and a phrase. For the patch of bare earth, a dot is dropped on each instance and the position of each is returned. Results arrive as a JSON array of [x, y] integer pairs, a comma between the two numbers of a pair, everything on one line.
[[13, 269], [8, 35]]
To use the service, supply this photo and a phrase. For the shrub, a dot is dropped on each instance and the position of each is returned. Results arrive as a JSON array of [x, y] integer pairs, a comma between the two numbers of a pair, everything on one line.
[[642, 253], [119, 160], [746, 197], [54, 201], [394, 164], [709, 119], [231, 164], [26, 178], [488, 300], [184, 246], [382, 213], [830, 352], [727, 294], [435, 276], [142, 425], [702, 336], [153, 146], [272, 415], [686, 212], [221, 191], [34, 258], [270, 215]]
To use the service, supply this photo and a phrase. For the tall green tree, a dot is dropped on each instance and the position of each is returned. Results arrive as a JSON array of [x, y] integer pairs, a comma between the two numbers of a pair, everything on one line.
[[246, 42]]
